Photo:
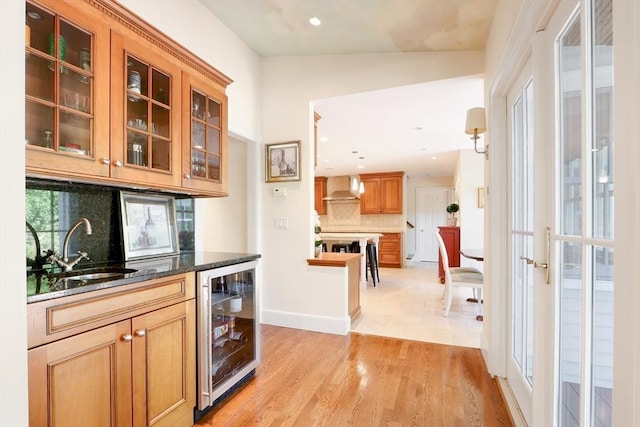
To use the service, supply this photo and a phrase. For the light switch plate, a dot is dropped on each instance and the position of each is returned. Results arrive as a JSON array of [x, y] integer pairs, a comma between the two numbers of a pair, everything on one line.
[[279, 192], [281, 223]]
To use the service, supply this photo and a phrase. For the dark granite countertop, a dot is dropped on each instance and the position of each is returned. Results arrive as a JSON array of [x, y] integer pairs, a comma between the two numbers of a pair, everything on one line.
[[42, 286]]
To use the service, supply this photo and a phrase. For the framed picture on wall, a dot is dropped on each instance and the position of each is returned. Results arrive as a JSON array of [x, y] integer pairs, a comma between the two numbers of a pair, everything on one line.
[[282, 162], [148, 225]]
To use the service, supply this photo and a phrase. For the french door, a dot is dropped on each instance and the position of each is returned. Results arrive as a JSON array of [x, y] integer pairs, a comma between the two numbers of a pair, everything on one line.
[[560, 364], [521, 292]]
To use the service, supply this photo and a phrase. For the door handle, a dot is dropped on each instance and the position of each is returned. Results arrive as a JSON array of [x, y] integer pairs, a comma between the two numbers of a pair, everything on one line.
[[545, 264]]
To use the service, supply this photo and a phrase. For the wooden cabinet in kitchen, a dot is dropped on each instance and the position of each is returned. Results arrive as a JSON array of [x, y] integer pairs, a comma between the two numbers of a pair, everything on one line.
[[390, 250], [132, 364], [204, 146], [110, 100], [66, 90], [319, 193], [382, 193]]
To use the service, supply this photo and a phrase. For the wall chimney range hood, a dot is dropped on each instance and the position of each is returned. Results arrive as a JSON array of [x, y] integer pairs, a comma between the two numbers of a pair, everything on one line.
[[340, 187]]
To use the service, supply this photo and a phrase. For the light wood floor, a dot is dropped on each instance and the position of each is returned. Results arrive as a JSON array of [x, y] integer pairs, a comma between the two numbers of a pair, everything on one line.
[[314, 379]]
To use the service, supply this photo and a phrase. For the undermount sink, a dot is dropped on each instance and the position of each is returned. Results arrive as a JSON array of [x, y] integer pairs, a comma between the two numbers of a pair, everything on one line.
[[93, 275]]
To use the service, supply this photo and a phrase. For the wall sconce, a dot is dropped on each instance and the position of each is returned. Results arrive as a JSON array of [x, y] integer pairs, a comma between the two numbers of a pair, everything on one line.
[[477, 124]]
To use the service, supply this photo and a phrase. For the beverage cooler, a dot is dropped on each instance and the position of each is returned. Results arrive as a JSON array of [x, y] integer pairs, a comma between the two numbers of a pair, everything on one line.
[[227, 332]]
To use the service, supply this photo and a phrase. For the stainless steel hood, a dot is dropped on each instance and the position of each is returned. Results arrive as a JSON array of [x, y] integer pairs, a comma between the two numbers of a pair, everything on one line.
[[340, 195], [339, 190]]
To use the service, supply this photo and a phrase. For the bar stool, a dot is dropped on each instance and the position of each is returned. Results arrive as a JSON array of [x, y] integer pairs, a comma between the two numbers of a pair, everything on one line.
[[372, 263], [340, 247]]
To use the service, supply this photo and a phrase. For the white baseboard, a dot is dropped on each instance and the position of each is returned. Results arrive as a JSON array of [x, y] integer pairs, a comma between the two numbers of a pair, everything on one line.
[[329, 325], [512, 403]]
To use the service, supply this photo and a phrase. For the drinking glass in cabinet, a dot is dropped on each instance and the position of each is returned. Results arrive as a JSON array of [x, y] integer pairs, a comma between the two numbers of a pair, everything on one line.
[[213, 167], [198, 106], [198, 167], [197, 135]]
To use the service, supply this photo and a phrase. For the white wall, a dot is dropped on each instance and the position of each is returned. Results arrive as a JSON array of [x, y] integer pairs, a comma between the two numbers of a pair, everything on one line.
[[13, 311], [222, 221], [471, 176]]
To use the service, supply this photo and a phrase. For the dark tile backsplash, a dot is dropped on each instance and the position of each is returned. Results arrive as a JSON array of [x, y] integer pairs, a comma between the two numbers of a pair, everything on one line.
[[52, 208]]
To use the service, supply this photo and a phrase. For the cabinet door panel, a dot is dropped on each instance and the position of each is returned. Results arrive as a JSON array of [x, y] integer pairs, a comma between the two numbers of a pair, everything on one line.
[[145, 114], [204, 136], [164, 365], [67, 89], [391, 195], [81, 378], [370, 199]]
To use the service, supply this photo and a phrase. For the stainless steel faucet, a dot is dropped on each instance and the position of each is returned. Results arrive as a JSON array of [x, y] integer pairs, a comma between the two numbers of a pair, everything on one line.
[[64, 261], [38, 260]]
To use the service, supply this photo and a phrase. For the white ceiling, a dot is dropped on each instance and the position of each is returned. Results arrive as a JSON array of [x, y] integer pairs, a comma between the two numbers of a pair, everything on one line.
[[388, 138]]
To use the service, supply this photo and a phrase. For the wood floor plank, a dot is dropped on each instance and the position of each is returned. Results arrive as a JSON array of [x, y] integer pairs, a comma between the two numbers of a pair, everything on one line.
[[314, 379]]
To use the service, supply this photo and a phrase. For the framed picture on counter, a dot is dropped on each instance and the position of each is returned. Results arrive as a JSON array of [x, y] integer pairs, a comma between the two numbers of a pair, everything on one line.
[[282, 162], [148, 225]]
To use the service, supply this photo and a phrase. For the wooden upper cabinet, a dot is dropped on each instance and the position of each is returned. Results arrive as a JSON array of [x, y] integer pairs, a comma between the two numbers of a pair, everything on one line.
[[382, 193], [66, 90], [110, 99], [320, 193], [145, 114], [204, 136]]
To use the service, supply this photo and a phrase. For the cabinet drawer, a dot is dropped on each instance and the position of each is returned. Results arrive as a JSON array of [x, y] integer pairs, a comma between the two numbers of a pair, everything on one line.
[[59, 318]]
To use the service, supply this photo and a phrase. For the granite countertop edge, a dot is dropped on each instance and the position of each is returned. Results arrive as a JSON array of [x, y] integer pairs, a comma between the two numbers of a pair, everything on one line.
[[152, 268]]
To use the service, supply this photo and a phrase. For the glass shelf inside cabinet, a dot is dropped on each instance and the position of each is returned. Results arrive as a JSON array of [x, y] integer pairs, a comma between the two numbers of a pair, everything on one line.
[[58, 83], [148, 116], [206, 134]]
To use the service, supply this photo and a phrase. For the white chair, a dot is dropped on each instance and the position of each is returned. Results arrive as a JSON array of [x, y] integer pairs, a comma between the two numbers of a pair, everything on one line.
[[467, 277]]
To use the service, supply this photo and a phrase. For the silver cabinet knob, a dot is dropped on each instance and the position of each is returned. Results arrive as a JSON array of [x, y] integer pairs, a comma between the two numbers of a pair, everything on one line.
[[106, 161], [117, 163], [140, 333], [127, 337], [187, 176]]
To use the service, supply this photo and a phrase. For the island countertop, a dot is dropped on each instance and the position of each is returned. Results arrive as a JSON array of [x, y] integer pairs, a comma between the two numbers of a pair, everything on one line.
[[333, 259]]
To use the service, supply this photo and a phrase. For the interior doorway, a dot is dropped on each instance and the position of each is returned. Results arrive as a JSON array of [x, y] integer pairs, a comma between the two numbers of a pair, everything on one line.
[[431, 203]]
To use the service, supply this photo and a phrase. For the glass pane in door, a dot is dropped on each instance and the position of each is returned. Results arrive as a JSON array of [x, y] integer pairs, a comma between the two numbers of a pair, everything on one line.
[[585, 173], [522, 273]]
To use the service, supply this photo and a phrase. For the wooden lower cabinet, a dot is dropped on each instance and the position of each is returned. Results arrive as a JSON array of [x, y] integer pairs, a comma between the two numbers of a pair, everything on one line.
[[135, 372], [390, 250]]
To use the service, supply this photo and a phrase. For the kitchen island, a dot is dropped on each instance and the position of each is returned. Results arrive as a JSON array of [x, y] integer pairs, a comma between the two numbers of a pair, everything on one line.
[[353, 274], [362, 239]]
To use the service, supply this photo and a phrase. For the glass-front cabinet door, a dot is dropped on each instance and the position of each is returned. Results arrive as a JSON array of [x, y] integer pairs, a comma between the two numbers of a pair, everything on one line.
[[204, 136], [145, 114], [66, 87]]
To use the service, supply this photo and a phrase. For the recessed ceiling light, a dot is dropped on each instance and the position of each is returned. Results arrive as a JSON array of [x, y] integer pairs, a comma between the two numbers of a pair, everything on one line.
[[416, 128], [323, 139], [360, 166], [433, 158], [315, 21]]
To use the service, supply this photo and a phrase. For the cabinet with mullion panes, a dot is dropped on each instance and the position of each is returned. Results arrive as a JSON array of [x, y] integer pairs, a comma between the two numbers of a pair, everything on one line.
[[60, 89], [145, 114], [204, 130], [148, 111]]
